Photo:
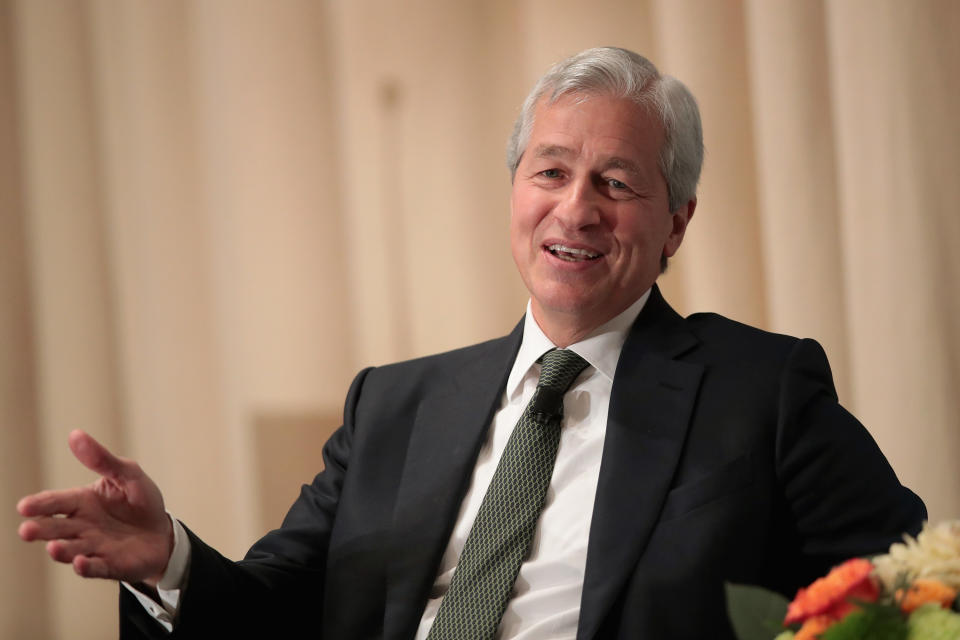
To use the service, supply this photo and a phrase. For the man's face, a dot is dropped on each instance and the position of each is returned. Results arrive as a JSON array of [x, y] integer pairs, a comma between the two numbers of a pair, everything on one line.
[[589, 213]]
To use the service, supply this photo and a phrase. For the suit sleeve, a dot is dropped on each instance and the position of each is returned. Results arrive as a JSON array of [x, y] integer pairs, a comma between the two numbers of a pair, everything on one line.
[[277, 590], [844, 498]]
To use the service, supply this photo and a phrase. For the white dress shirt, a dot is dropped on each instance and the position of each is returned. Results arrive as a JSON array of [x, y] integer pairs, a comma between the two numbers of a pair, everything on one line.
[[545, 603], [172, 583]]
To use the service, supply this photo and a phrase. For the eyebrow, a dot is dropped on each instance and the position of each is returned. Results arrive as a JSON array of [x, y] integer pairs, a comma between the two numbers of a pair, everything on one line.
[[614, 162], [552, 151], [624, 165]]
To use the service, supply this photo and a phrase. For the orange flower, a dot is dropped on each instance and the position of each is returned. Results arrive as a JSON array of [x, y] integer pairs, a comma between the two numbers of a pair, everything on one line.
[[924, 590], [830, 596], [813, 627]]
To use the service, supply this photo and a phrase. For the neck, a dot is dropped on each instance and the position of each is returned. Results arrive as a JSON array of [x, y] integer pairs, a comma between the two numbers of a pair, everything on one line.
[[563, 329]]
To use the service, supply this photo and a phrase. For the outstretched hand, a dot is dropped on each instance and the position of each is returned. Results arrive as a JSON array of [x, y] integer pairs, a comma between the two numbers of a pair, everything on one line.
[[115, 528]]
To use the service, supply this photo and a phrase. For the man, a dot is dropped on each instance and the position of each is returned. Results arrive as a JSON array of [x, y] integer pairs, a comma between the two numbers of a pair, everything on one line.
[[690, 451]]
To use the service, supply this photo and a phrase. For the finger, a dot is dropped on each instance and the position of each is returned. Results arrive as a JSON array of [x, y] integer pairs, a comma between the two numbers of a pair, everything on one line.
[[67, 550], [48, 503], [91, 567], [95, 456], [50, 529]]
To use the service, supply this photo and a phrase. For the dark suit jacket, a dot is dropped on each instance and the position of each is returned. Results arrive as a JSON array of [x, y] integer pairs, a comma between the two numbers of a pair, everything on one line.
[[726, 458]]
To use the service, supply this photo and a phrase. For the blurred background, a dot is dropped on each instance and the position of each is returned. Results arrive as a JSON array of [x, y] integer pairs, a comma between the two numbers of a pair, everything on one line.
[[215, 212]]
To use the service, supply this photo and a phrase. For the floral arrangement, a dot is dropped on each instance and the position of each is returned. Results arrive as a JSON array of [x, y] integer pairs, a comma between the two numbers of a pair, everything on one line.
[[909, 593]]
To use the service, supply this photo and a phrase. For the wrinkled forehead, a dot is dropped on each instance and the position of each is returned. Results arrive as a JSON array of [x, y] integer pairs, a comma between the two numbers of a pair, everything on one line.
[[645, 114], [646, 99], [595, 115]]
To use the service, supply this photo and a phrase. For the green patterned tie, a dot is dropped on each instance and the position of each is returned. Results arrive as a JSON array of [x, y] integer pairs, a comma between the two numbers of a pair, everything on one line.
[[500, 537]]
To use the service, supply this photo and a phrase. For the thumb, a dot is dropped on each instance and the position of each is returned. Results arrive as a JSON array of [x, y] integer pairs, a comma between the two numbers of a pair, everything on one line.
[[95, 456]]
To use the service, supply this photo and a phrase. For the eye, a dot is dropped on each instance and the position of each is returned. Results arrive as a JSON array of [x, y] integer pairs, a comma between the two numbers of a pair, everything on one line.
[[550, 173], [616, 184]]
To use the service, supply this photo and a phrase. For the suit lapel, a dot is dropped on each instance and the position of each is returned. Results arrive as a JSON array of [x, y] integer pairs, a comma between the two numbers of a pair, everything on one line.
[[448, 431], [650, 408]]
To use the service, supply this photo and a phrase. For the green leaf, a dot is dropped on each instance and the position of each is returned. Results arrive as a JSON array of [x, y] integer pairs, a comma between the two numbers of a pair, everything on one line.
[[873, 622], [755, 613]]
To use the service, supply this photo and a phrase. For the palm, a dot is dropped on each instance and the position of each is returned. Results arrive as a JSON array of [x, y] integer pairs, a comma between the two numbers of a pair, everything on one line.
[[114, 528]]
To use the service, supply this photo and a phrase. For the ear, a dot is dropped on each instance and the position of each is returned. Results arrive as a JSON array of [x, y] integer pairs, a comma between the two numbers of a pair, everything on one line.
[[680, 219]]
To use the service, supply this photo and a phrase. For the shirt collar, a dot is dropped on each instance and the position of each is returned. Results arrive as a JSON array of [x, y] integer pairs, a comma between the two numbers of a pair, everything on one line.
[[601, 348]]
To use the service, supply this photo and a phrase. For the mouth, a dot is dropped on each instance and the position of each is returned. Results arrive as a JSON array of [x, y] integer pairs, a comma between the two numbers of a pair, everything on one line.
[[571, 254]]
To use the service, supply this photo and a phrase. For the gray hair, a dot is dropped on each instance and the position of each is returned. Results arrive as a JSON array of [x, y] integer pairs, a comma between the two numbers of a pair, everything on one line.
[[625, 74]]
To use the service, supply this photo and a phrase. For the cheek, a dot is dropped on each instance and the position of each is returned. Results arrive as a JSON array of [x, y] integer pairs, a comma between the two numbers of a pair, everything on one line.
[[631, 233], [524, 218], [519, 234], [641, 232]]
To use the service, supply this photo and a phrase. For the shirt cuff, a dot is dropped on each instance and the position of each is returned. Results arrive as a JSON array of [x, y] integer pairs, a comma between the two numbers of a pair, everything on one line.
[[173, 582]]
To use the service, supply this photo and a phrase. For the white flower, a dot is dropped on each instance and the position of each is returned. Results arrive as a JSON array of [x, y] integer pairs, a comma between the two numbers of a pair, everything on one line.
[[935, 553]]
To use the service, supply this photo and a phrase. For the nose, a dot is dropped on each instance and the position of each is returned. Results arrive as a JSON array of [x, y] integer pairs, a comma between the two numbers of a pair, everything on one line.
[[579, 206]]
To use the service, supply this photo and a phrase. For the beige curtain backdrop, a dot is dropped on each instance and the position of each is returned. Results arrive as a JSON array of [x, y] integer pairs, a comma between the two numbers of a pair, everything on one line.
[[214, 212]]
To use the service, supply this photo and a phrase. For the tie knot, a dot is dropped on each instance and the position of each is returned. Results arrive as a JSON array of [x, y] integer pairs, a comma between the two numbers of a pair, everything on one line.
[[558, 369]]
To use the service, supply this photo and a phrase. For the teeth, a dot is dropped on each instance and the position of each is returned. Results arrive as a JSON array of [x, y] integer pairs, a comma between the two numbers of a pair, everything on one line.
[[569, 253]]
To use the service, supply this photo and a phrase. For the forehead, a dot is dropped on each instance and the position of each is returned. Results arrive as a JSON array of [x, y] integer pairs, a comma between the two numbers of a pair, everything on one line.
[[588, 125]]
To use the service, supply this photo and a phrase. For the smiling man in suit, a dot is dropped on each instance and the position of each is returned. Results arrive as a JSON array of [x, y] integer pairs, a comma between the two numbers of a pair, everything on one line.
[[474, 494]]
